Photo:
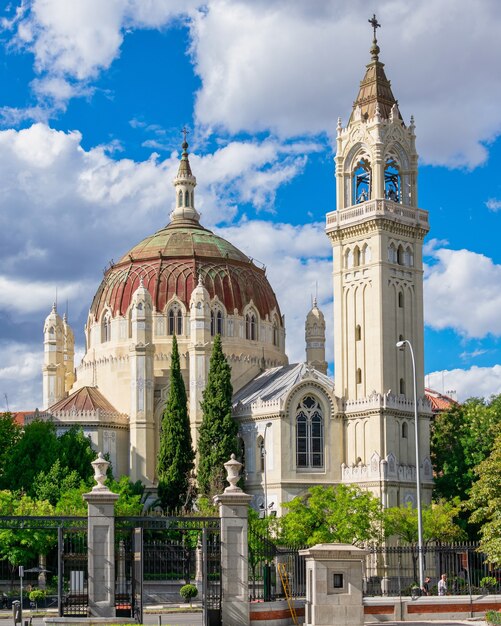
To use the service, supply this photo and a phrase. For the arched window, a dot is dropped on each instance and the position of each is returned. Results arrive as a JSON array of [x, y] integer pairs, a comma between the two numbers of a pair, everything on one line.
[[356, 256], [359, 376], [106, 328], [250, 326], [186, 198], [402, 386], [392, 190], [358, 332], [348, 259], [219, 323], [361, 181], [309, 434], [392, 253], [275, 333], [366, 255], [400, 255], [175, 321], [400, 300], [409, 257], [180, 199], [193, 198], [405, 429]]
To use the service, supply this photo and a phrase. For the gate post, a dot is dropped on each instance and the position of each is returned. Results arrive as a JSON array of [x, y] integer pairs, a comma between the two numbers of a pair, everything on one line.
[[233, 513], [101, 543]]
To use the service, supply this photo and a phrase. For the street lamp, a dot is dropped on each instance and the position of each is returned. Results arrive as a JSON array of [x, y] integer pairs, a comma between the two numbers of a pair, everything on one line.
[[401, 346], [268, 425]]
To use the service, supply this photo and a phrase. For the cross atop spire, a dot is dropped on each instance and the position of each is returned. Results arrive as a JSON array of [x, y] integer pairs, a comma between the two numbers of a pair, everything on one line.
[[185, 132], [375, 24]]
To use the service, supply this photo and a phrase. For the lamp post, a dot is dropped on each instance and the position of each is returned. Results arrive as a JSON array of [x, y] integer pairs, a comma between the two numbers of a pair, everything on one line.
[[268, 425], [401, 346]]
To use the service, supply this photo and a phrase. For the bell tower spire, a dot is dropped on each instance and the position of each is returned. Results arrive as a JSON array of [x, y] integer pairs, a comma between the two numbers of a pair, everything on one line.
[[377, 234], [185, 184]]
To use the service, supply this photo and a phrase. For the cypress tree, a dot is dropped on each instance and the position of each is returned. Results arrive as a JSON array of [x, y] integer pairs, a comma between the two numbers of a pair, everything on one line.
[[218, 431], [175, 456]]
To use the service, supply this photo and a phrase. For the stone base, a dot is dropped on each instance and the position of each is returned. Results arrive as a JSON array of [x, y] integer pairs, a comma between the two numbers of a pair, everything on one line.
[[87, 621]]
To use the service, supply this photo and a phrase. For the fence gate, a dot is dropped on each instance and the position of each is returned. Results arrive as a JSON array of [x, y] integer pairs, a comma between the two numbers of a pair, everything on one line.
[[211, 576], [73, 578]]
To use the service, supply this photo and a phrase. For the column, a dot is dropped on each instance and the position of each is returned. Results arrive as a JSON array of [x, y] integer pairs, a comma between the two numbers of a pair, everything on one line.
[[233, 512], [101, 543]]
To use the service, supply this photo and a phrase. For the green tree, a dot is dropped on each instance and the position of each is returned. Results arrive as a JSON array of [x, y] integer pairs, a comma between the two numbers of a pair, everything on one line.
[[342, 513], [485, 503], [439, 523], [176, 455], [20, 545], [10, 433], [461, 438], [57, 481], [35, 452], [218, 431], [43, 465]]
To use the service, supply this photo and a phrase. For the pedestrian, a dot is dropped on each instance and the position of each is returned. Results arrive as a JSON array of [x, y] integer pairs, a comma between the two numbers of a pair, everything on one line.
[[442, 585], [425, 589]]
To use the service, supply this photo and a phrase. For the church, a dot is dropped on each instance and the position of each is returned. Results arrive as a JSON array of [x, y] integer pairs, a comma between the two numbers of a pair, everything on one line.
[[298, 426]]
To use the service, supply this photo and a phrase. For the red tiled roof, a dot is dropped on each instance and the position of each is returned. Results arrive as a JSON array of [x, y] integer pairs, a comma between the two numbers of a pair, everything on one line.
[[84, 399], [19, 416], [439, 402]]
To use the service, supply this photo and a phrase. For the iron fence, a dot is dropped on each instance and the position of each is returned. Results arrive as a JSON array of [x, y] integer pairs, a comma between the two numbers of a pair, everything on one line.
[[264, 580], [394, 571]]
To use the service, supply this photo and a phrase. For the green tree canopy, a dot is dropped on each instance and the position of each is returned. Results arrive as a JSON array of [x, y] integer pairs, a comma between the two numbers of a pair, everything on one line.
[[341, 513], [461, 438], [21, 544], [218, 431], [485, 503], [439, 523], [176, 455], [10, 433], [43, 464]]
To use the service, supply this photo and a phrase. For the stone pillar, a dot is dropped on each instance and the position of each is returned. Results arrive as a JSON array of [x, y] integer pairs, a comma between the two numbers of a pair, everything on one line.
[[334, 585], [233, 512], [101, 543]]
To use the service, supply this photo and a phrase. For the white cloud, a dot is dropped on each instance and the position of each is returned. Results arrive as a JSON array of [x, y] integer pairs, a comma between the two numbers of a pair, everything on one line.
[[463, 292], [294, 67], [20, 376], [296, 259], [41, 294], [493, 205], [480, 382]]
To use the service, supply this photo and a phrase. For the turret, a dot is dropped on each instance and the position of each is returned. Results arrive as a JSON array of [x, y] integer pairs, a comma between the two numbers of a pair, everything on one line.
[[185, 184], [141, 354], [315, 339], [200, 349], [54, 370]]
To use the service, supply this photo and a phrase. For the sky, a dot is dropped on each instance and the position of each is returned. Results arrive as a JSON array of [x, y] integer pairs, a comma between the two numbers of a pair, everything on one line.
[[93, 97]]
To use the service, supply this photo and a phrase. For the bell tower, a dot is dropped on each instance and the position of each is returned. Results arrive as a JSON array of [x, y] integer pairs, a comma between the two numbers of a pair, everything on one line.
[[377, 234]]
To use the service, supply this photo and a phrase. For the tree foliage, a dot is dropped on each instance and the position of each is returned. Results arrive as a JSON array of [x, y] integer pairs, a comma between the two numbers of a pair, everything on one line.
[[461, 438], [342, 513], [10, 433], [176, 455], [39, 457], [485, 503], [218, 431], [439, 523], [21, 544]]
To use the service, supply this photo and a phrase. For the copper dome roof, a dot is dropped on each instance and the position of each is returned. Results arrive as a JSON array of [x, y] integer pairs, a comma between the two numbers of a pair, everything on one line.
[[170, 261]]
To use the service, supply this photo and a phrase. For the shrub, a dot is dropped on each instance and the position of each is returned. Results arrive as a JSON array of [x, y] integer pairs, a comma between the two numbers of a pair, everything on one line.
[[37, 595], [493, 617], [188, 592], [489, 582]]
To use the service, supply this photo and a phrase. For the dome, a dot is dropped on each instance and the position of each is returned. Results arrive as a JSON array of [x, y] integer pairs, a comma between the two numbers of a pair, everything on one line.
[[170, 262]]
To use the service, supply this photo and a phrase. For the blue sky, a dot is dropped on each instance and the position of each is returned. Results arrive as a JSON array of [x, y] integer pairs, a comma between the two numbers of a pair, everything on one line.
[[93, 97]]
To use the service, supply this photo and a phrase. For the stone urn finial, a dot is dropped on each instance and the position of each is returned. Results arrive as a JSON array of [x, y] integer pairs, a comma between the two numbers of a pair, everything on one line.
[[100, 466], [233, 468]]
